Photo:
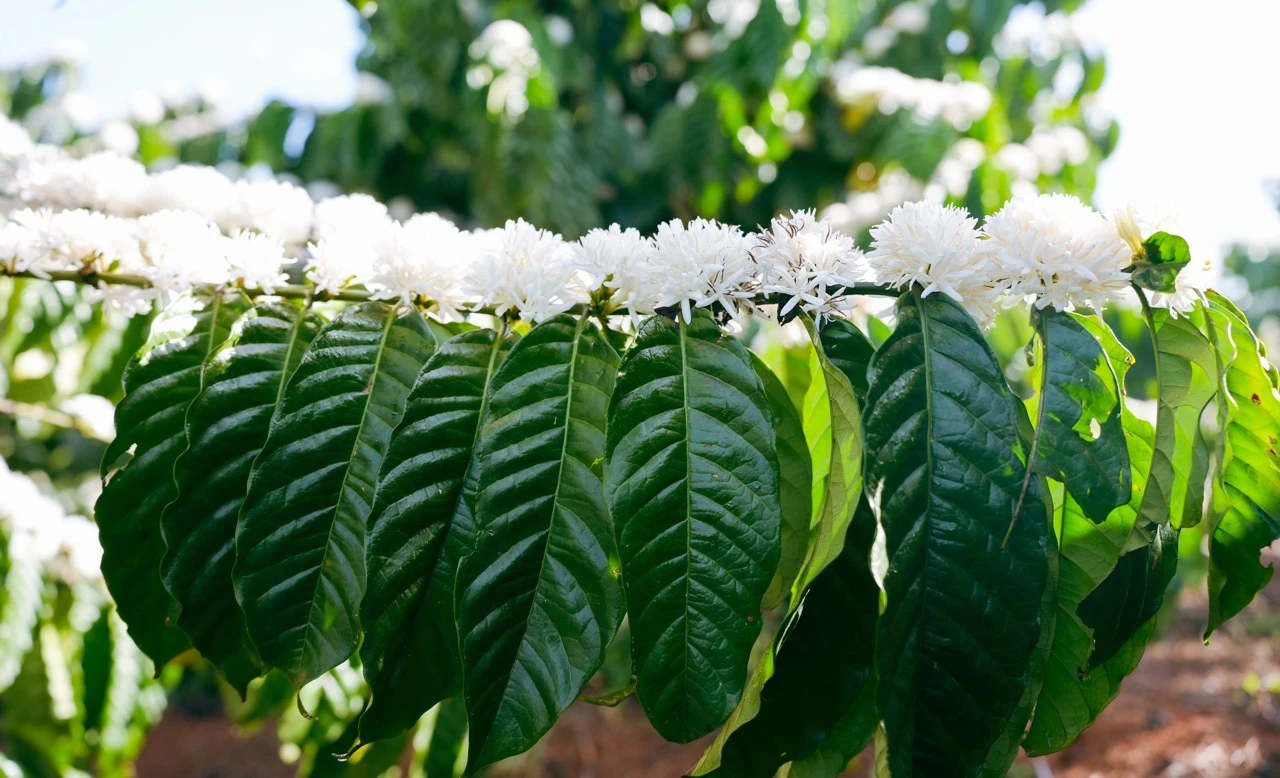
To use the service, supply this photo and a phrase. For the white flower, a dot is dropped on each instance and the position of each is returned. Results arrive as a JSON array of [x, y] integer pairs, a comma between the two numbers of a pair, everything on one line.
[[275, 208], [14, 140], [202, 190], [619, 260], [809, 261], [256, 260], [425, 260], [525, 269], [702, 263], [180, 249], [351, 232], [1057, 251], [110, 183], [935, 247]]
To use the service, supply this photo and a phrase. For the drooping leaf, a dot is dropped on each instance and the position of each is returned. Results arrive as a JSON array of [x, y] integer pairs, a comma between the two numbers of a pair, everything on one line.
[[1185, 369], [833, 429], [300, 542], [1131, 595], [537, 599], [1247, 489], [795, 485], [244, 380], [822, 668], [692, 477], [410, 654], [963, 614], [441, 741], [850, 351], [160, 383], [1080, 440], [1072, 697]]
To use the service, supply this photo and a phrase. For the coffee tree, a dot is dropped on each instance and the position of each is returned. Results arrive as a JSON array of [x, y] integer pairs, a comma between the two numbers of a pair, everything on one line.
[[461, 458]]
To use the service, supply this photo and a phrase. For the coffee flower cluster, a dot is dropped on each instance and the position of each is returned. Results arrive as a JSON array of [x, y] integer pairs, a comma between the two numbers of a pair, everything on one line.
[[192, 226]]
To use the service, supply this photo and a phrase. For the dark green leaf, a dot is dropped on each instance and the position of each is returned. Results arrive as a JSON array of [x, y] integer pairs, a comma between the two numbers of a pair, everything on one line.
[[410, 651], [963, 615], [300, 543], [693, 481], [795, 486], [227, 425], [160, 383], [1131, 595], [1080, 439], [1247, 493], [822, 668], [538, 600], [850, 351]]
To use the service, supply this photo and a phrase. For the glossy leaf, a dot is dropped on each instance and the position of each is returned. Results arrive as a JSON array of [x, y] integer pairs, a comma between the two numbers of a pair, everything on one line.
[[160, 383], [1247, 496], [963, 614], [410, 654], [300, 542], [1163, 257], [243, 382], [795, 485], [692, 478], [1080, 439], [822, 668], [850, 351], [538, 599]]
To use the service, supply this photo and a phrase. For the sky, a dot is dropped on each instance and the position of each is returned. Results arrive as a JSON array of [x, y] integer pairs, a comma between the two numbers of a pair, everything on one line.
[[1192, 87]]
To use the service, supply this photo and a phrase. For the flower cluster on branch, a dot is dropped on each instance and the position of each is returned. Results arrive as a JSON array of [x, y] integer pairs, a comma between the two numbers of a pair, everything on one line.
[[191, 226]]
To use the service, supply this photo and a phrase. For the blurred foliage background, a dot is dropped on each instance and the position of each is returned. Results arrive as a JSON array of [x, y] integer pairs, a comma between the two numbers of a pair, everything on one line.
[[571, 114]]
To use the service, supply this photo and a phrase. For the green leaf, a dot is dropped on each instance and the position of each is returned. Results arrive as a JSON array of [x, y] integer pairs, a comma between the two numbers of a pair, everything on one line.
[[1071, 697], [692, 478], [1131, 595], [300, 542], [1185, 370], [1247, 494], [847, 739], [538, 600], [1164, 255], [227, 425], [1080, 439], [821, 669], [850, 352], [833, 429], [410, 651], [962, 617], [160, 383], [441, 741], [795, 486]]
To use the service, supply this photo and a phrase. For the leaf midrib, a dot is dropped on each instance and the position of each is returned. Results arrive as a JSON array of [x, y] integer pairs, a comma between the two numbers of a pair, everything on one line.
[[309, 630]]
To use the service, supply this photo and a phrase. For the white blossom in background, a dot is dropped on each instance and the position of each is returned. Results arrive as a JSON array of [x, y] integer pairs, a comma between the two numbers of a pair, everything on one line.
[[1057, 252], [956, 102], [108, 182], [619, 260], [527, 270], [936, 247], [196, 188], [351, 233], [278, 209], [701, 263], [863, 209], [14, 140], [40, 530], [808, 260], [425, 259]]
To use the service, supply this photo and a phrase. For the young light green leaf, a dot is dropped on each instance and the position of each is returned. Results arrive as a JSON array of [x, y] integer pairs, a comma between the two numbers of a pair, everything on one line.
[[692, 478], [1247, 488], [300, 542], [1185, 370], [538, 600], [962, 617], [795, 486], [227, 425], [160, 383], [833, 429], [1163, 257], [1079, 437], [410, 651]]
